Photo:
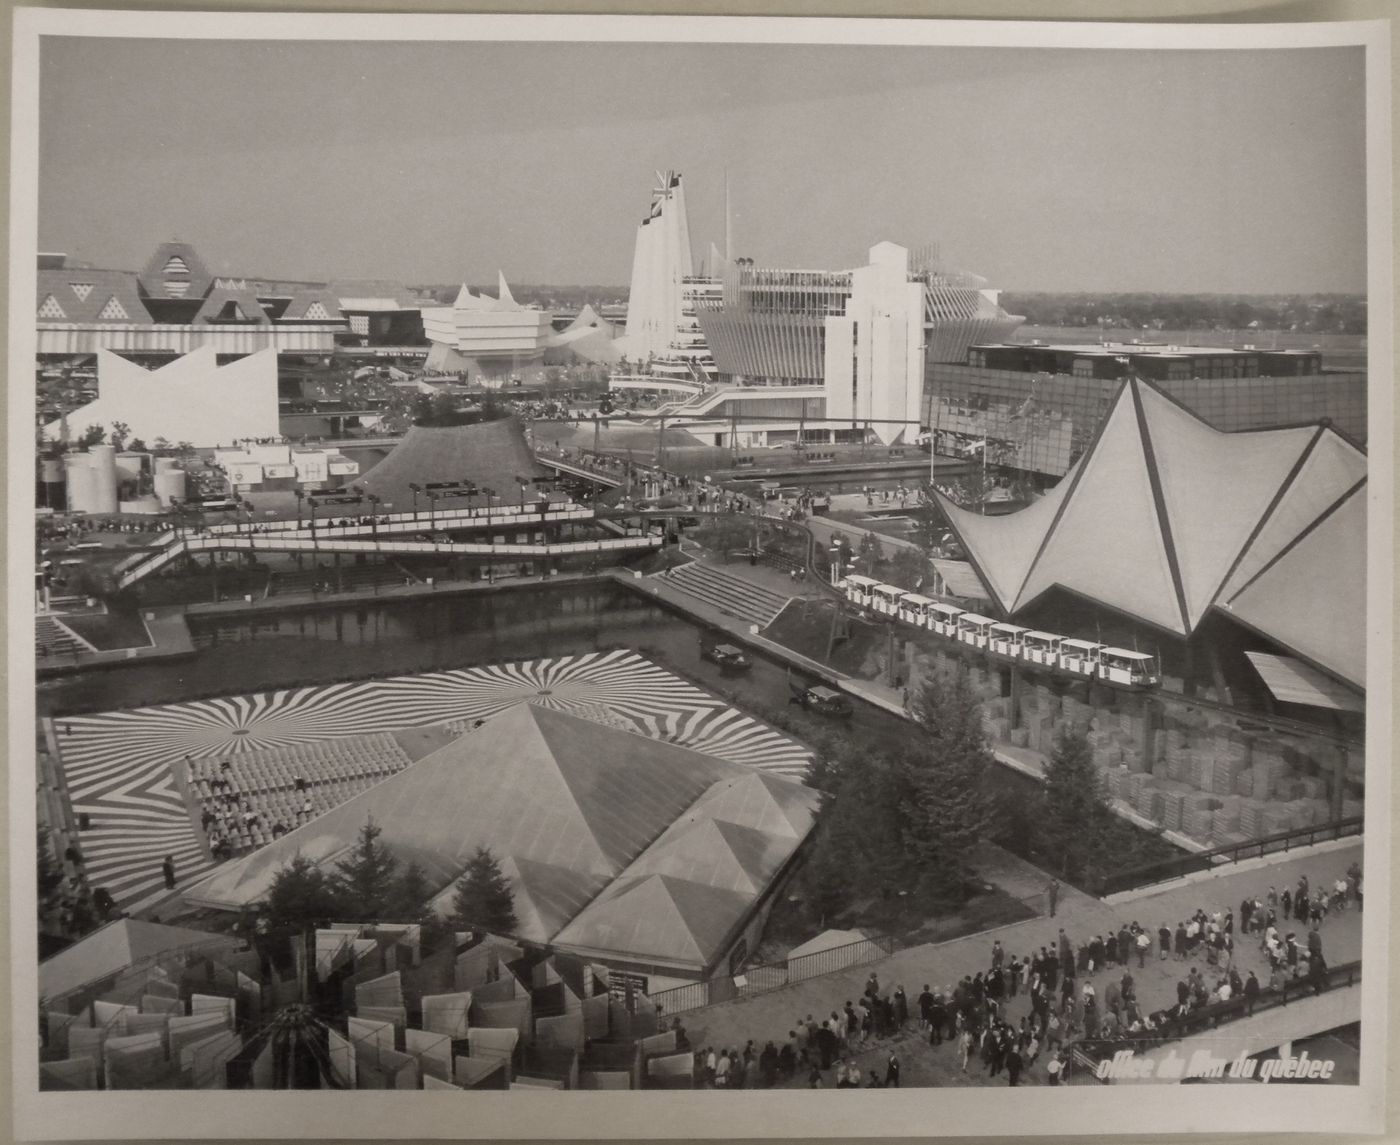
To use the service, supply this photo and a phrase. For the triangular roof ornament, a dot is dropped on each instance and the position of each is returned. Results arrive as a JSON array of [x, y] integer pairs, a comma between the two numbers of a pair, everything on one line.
[[503, 294]]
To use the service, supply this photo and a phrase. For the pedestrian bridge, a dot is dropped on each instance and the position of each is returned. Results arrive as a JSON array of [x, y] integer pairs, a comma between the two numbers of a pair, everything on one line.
[[398, 533], [578, 468]]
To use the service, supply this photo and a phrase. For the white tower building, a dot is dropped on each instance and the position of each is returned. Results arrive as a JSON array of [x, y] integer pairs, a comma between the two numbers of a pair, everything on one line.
[[874, 355], [661, 264]]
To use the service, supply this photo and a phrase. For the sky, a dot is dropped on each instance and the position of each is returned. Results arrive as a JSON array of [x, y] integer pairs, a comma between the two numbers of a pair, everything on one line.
[[1038, 169]]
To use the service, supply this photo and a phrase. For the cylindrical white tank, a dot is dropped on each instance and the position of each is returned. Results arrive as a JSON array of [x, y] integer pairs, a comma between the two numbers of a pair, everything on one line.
[[81, 482], [169, 483], [104, 465], [51, 472], [165, 463]]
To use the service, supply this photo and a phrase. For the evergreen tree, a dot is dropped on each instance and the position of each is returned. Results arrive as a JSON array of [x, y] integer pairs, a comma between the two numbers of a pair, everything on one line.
[[943, 770], [367, 877], [483, 898], [302, 894], [412, 895], [1074, 807], [857, 849]]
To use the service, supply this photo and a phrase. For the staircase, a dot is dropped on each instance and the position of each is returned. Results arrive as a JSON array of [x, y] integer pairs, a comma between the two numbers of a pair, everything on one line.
[[53, 638], [728, 593]]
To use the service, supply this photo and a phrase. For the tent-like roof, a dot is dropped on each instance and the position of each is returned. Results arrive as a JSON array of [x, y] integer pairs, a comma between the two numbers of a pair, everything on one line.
[[490, 454], [89, 296], [1165, 517], [112, 948], [591, 825]]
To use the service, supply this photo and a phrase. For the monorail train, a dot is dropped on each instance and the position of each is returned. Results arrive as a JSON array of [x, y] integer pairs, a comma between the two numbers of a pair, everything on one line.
[[1080, 658]]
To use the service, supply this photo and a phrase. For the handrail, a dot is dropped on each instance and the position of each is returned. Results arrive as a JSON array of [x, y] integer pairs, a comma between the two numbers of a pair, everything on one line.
[[1090, 1051], [1146, 874], [767, 976]]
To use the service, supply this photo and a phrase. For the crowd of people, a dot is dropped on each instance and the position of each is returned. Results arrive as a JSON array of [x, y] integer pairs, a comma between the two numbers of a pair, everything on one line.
[[1074, 991]]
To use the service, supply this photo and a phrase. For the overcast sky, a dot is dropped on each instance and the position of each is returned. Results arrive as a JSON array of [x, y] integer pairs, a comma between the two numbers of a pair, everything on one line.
[[1038, 169]]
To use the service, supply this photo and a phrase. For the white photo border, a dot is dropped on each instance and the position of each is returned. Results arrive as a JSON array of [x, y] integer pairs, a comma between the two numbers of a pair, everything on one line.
[[1116, 1110]]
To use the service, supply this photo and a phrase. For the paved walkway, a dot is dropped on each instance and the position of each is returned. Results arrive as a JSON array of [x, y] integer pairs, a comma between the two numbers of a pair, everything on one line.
[[773, 1014]]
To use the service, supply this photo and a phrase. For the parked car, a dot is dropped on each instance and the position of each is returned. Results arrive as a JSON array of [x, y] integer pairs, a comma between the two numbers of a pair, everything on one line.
[[824, 701], [728, 657]]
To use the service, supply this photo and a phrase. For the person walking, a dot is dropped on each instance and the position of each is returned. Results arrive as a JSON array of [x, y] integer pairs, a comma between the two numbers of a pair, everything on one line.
[[167, 869], [1013, 1066], [892, 1072], [964, 1047], [1052, 892]]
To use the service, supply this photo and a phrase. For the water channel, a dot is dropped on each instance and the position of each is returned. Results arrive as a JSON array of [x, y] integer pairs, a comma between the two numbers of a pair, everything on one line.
[[358, 641]]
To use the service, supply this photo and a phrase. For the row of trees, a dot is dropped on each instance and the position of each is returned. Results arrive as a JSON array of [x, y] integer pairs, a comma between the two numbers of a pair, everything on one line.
[[898, 827], [1316, 314], [370, 885]]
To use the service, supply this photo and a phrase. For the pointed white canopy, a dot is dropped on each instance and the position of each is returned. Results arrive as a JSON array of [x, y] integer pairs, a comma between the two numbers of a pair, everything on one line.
[[1165, 517]]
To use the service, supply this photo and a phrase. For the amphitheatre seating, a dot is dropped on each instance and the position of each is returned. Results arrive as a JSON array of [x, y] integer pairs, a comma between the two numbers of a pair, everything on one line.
[[266, 781]]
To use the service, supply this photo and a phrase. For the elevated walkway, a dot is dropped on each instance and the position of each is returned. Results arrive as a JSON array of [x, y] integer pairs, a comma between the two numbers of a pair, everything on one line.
[[576, 468], [730, 594], [390, 533]]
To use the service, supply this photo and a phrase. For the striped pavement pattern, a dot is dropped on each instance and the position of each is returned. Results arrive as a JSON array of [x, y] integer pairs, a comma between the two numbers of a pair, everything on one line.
[[118, 765]]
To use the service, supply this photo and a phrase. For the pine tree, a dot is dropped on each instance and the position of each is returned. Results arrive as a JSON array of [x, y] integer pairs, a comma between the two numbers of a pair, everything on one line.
[[1074, 806], [412, 895], [367, 876], [483, 898], [944, 770], [302, 894]]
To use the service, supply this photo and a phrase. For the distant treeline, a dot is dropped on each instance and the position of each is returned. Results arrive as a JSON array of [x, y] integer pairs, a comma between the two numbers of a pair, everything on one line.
[[1303, 313], [549, 297]]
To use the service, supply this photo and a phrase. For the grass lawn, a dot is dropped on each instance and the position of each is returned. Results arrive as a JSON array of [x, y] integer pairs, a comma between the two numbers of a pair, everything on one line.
[[806, 629]]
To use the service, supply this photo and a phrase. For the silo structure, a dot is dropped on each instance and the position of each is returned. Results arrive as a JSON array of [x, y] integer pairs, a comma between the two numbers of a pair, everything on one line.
[[51, 471], [162, 463], [104, 465], [169, 483], [80, 479]]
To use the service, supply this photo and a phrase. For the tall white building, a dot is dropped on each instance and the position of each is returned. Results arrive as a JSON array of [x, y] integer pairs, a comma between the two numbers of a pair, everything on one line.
[[661, 321], [874, 358]]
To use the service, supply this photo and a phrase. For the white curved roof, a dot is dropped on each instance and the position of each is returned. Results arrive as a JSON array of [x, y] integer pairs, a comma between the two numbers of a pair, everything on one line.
[[1165, 517]]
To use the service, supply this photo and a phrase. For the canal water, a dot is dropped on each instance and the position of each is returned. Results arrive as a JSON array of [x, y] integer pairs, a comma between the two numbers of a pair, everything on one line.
[[237, 655]]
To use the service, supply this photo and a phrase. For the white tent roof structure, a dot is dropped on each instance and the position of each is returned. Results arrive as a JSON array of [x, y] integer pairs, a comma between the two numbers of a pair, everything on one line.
[[1165, 518]]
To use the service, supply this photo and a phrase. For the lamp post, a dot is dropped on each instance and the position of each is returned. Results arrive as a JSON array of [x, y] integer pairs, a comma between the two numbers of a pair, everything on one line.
[[416, 489], [300, 496], [432, 509]]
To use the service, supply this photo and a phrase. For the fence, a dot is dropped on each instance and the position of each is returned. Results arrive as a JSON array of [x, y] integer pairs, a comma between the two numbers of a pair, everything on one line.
[[1149, 873], [1087, 1054], [773, 975]]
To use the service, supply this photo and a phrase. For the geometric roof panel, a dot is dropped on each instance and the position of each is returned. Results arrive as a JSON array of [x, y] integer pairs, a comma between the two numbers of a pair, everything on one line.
[[1004, 547], [1108, 542], [1214, 497], [1312, 597], [1332, 466]]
